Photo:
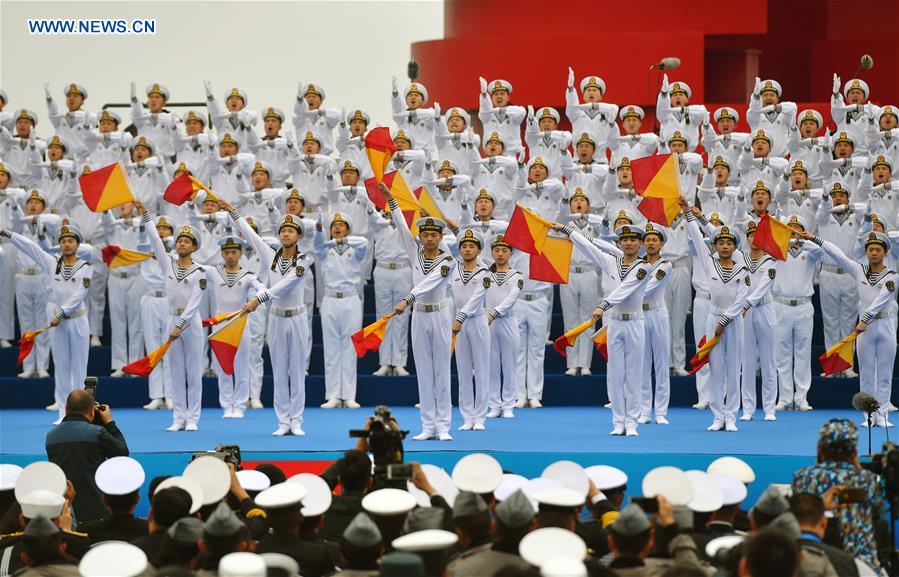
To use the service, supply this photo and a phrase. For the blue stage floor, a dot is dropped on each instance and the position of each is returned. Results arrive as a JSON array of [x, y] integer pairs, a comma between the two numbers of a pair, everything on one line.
[[524, 445]]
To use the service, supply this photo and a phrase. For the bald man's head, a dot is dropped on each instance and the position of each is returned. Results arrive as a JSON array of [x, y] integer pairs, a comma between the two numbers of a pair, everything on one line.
[[79, 402]]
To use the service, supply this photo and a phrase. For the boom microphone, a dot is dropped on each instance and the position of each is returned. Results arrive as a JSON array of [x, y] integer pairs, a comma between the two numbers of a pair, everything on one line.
[[865, 403], [867, 62], [669, 63]]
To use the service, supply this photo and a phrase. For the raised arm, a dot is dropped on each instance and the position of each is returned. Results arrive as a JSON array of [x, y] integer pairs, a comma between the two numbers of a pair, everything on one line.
[[834, 252], [265, 252], [162, 256], [604, 261], [400, 220], [31, 248]]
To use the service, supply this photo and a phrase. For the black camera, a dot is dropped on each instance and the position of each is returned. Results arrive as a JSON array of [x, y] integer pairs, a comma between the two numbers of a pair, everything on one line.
[[227, 453], [90, 385], [385, 443], [886, 464]]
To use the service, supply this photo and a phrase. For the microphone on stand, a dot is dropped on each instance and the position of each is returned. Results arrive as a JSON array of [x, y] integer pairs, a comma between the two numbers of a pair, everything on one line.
[[867, 404]]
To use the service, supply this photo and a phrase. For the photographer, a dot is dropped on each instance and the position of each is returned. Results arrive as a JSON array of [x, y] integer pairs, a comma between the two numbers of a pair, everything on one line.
[[85, 438], [862, 500]]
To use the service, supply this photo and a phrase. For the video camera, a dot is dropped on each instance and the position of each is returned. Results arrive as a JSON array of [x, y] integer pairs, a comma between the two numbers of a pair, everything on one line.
[[227, 453], [886, 464], [90, 385], [385, 441]]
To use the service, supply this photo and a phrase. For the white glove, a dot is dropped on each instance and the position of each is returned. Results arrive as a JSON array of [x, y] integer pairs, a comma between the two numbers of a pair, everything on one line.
[[299, 89], [133, 91], [839, 208], [665, 82], [859, 162], [758, 86], [521, 157], [530, 113], [570, 77], [483, 82], [836, 83], [208, 86], [436, 109], [47, 90], [394, 84]]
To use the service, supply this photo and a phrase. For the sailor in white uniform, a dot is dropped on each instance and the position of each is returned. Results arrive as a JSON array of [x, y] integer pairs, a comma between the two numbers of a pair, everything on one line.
[[505, 285]]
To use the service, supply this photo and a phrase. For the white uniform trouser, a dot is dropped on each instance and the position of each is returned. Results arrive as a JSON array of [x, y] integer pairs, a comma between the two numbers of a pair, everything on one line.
[[655, 360], [579, 298], [701, 308], [625, 369], [257, 339], [31, 304], [839, 306], [186, 366], [532, 335], [7, 298], [97, 307], [759, 347], [341, 317], [503, 359], [794, 351], [876, 354], [677, 297], [207, 306], [309, 300], [288, 339], [154, 317], [70, 342], [472, 367], [431, 341], [234, 390], [724, 366], [391, 285], [124, 316]]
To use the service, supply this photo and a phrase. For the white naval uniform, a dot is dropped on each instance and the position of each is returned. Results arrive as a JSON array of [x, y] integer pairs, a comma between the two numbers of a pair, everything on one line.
[[9, 197], [71, 127], [108, 147], [55, 179], [803, 203], [288, 328], [125, 291], [352, 148], [321, 121], [793, 292], [686, 119], [702, 306], [728, 146], [759, 326], [506, 120], [497, 174], [719, 199], [229, 176], [17, 154], [154, 313], [460, 148], [160, 128], [534, 313], [393, 281], [193, 151], [341, 309], [238, 124], [502, 295], [311, 174], [232, 291], [431, 328], [473, 357], [256, 324], [623, 304], [729, 289], [768, 169], [839, 291], [677, 291], [276, 153], [550, 145], [882, 200], [590, 178], [852, 119], [877, 307], [31, 291], [595, 118], [581, 295], [657, 343], [774, 119], [184, 289], [148, 180], [419, 124], [633, 146], [70, 340]]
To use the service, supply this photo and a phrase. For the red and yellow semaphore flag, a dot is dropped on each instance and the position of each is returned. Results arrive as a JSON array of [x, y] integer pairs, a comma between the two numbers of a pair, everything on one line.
[[601, 342], [414, 204], [561, 344], [379, 148], [116, 256], [225, 341], [773, 237], [219, 318], [657, 180], [183, 188], [106, 188], [527, 231], [701, 358], [143, 367], [26, 344], [553, 265], [838, 358], [370, 337]]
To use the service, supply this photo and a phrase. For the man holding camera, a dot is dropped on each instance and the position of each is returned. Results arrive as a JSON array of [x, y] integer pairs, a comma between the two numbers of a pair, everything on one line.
[[85, 438]]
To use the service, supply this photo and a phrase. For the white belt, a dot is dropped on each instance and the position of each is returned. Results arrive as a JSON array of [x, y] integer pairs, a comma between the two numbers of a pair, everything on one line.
[[833, 268], [884, 315], [289, 312], [582, 269], [625, 316], [703, 295], [530, 296], [793, 301], [82, 312], [681, 263], [156, 294], [122, 274], [176, 312], [392, 265], [341, 295], [430, 307], [654, 306], [30, 271]]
